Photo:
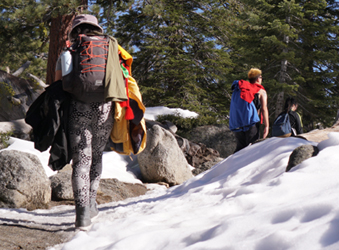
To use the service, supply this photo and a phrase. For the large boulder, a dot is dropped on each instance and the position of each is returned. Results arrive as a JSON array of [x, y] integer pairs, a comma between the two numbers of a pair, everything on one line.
[[162, 160], [218, 137], [198, 155], [170, 126], [109, 189], [16, 95], [23, 181]]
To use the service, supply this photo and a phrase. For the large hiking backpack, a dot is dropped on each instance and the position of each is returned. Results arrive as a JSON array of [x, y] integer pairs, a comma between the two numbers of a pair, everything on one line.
[[282, 126], [243, 114], [86, 82]]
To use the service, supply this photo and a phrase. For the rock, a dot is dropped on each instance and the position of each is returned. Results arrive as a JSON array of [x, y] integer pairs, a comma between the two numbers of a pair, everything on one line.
[[163, 160], [170, 126], [301, 154], [201, 158], [109, 189], [19, 129], [16, 95], [218, 137], [198, 155], [114, 190], [23, 181], [61, 185], [206, 165], [319, 135]]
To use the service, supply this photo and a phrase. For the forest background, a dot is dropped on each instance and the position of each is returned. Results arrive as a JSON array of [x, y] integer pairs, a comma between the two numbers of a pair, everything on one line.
[[187, 53]]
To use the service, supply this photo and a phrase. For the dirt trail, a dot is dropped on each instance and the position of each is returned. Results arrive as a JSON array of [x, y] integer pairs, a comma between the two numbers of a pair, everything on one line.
[[27, 234], [14, 237]]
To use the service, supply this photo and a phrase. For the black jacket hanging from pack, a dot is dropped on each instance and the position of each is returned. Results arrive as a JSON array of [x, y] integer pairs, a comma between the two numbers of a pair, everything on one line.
[[48, 117]]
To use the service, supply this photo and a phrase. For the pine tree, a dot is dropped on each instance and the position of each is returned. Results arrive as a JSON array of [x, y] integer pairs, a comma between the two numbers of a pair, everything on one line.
[[179, 61], [319, 91], [282, 38], [23, 36], [35, 31]]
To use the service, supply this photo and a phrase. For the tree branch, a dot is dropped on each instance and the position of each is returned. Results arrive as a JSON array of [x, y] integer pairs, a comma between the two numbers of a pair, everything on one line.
[[22, 68], [40, 82]]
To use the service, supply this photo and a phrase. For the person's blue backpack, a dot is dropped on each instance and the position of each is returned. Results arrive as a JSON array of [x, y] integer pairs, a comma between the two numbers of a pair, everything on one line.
[[243, 115], [282, 126]]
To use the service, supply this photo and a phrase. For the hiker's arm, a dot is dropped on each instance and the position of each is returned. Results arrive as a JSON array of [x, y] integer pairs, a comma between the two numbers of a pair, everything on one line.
[[58, 72], [264, 111], [298, 123], [58, 75]]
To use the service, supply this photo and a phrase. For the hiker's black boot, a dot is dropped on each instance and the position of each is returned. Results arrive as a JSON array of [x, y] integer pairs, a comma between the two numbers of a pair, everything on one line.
[[82, 218], [93, 209]]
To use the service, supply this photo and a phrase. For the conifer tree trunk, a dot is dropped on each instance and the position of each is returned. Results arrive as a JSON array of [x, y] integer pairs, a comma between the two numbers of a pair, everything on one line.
[[60, 27], [283, 76]]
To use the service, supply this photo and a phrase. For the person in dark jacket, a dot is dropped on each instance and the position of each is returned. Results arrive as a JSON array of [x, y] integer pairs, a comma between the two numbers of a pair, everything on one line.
[[291, 106], [89, 127]]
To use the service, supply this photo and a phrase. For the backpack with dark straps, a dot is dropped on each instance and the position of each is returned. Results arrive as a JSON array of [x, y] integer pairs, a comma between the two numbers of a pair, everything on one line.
[[86, 82], [243, 114], [282, 126]]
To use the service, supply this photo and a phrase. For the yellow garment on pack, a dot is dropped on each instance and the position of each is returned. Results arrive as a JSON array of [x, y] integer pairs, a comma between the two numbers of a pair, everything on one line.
[[127, 57], [125, 141]]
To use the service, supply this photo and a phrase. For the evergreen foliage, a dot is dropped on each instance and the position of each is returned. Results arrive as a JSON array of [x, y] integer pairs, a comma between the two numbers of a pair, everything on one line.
[[178, 60], [23, 35], [4, 139], [319, 42], [187, 53], [301, 35]]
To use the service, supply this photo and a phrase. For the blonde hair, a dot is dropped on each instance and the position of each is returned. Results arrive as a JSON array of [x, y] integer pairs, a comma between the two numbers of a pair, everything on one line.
[[253, 74]]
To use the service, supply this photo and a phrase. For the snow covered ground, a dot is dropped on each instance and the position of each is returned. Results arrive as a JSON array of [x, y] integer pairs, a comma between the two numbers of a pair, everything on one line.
[[247, 201]]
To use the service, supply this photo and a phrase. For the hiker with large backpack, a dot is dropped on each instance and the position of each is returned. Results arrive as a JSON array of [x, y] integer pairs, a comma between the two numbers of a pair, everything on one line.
[[248, 109], [288, 123], [94, 81]]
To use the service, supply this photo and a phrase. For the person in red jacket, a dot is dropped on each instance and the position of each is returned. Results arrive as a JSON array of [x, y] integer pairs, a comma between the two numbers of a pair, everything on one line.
[[256, 92]]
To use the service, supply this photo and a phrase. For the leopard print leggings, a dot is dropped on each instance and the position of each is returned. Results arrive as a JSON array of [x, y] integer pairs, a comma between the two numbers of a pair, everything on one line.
[[90, 125]]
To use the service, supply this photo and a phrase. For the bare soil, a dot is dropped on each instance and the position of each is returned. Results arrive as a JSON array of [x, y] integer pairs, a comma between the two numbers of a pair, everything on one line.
[[34, 236]]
